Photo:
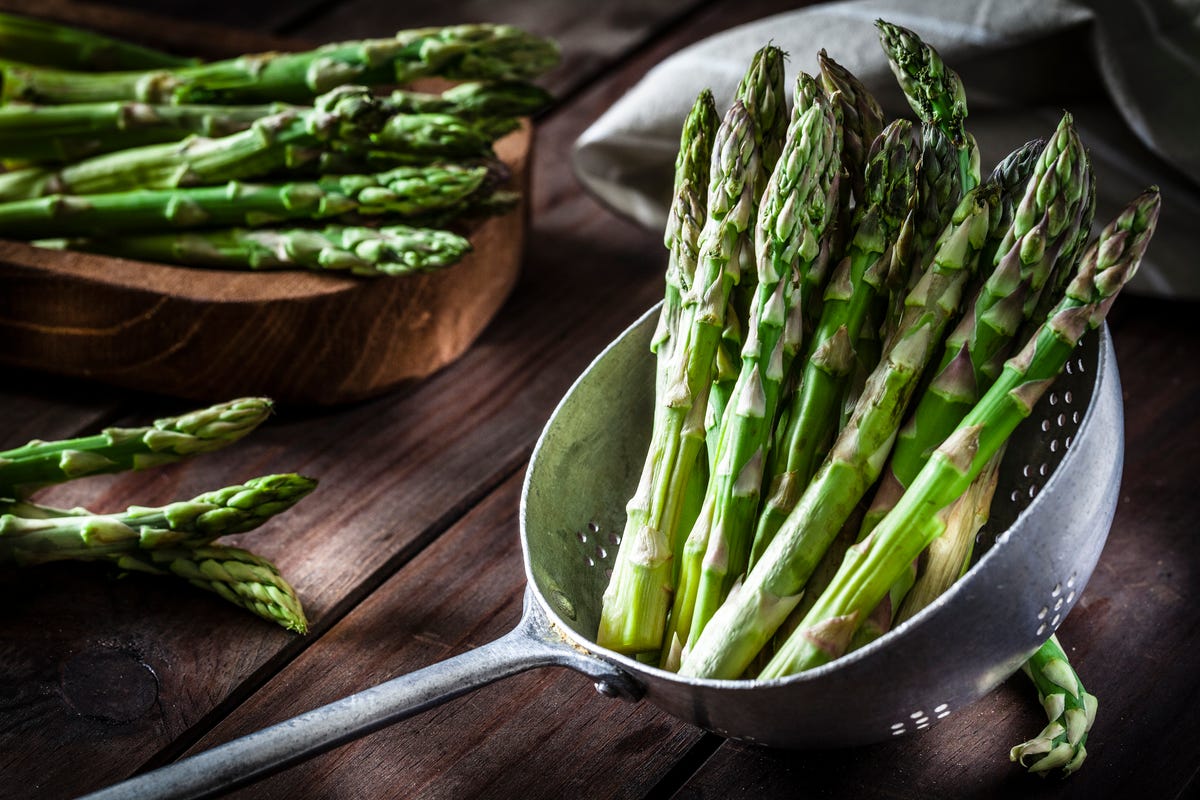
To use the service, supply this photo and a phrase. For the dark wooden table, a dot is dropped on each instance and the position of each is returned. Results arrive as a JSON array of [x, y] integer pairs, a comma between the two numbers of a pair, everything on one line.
[[408, 552]]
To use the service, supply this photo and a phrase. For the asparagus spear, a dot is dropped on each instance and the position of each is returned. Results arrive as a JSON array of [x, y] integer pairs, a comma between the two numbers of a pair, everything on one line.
[[53, 44], [392, 250], [682, 234], [244, 579], [290, 138], [38, 463], [862, 121], [934, 91], [461, 52], [1045, 220], [852, 291], [773, 586], [796, 210], [1070, 708], [89, 537], [639, 594], [78, 130], [873, 565], [401, 192]]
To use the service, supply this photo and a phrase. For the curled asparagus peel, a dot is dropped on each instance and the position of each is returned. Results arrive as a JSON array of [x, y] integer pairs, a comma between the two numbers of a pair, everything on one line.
[[795, 212], [393, 250], [638, 597], [71, 535], [460, 52], [772, 588], [873, 565], [1070, 709], [238, 576], [169, 439]]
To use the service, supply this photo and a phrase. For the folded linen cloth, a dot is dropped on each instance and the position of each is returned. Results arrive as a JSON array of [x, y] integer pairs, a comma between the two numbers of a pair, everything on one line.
[[1128, 70]]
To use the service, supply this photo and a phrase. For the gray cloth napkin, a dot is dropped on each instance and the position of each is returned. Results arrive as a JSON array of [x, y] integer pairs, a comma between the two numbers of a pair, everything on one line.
[[1128, 70]]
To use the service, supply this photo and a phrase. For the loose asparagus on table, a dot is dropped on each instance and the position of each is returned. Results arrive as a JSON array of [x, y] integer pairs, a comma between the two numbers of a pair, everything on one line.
[[53, 44], [70, 132], [390, 250], [796, 210], [405, 192], [169, 439], [348, 114], [873, 565], [1071, 711], [873, 253], [239, 576], [461, 52], [772, 588], [638, 596], [46, 536]]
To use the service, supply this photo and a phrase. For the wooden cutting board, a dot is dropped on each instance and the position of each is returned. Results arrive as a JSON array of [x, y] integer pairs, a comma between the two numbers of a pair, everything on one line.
[[210, 335]]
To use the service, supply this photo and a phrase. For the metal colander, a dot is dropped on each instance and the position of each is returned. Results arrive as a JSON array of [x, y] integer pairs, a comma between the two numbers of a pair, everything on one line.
[[1054, 503]]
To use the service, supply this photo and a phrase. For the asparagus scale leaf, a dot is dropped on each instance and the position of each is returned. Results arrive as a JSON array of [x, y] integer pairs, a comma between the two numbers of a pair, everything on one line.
[[1070, 709]]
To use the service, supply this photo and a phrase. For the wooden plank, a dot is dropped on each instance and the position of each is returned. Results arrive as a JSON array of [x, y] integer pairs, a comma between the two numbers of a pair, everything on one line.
[[262, 16], [543, 734]]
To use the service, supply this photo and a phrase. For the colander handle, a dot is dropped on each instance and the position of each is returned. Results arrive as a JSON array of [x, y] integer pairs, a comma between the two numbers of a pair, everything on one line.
[[533, 643]]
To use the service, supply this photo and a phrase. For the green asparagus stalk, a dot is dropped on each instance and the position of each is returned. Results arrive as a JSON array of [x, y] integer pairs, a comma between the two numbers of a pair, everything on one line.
[[1070, 709], [71, 132], [682, 234], [78, 130], [873, 565], [872, 255], [287, 139], [392, 250], [795, 212], [934, 91], [169, 439], [462, 52], [638, 596], [1045, 220], [234, 509], [407, 192], [748, 619], [53, 44], [240, 577], [862, 121], [763, 93]]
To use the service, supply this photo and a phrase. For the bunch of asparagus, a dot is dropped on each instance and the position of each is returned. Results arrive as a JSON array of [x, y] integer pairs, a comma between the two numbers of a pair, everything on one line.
[[176, 539], [905, 314], [275, 160]]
